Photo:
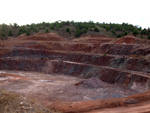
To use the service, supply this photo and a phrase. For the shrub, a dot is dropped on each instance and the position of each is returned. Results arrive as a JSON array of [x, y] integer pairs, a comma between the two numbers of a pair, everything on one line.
[[27, 33], [10, 33], [142, 37], [113, 32], [46, 30], [96, 29], [119, 35], [35, 30], [68, 30], [125, 33], [20, 32], [52, 27], [143, 32], [78, 33], [15, 25], [84, 31], [3, 34], [135, 33], [15, 103]]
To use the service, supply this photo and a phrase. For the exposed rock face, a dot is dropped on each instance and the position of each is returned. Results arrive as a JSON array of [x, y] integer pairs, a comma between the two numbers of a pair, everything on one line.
[[93, 82], [111, 62], [102, 61], [132, 40]]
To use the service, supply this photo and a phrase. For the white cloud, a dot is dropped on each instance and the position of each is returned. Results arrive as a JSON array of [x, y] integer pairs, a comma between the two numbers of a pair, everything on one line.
[[116, 11]]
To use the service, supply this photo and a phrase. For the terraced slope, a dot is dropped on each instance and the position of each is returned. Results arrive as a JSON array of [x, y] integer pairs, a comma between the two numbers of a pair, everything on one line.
[[102, 68]]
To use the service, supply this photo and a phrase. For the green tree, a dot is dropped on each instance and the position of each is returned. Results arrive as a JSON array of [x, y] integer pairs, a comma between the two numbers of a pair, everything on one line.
[[28, 33], [68, 30], [125, 33], [15, 25], [143, 32], [142, 37], [3, 34], [135, 32], [85, 31], [10, 33], [149, 37], [3, 29], [35, 30], [20, 32], [113, 32], [119, 35], [78, 33], [46, 30], [96, 29], [52, 27]]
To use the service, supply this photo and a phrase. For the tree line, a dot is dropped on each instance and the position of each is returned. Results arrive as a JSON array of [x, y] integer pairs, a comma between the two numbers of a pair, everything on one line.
[[71, 28]]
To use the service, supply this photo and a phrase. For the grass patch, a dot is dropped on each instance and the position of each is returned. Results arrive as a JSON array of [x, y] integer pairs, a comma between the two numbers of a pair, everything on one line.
[[15, 103]]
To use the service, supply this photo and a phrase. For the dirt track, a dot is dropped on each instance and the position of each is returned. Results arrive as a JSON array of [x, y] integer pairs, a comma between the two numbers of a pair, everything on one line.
[[139, 108]]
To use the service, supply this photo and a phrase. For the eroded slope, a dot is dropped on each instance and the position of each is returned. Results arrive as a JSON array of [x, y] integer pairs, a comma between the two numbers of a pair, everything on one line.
[[102, 67]]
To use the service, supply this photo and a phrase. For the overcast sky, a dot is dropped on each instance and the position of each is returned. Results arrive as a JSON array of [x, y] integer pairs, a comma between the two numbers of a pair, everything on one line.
[[136, 12]]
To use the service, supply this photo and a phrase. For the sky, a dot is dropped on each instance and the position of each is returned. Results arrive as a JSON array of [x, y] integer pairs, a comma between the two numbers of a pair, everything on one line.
[[136, 12]]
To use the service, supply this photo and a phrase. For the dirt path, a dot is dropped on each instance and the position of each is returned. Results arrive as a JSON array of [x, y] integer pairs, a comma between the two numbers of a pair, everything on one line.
[[140, 108]]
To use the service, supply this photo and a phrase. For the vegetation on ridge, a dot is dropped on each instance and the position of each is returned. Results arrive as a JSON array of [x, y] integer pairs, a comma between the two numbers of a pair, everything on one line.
[[71, 29]]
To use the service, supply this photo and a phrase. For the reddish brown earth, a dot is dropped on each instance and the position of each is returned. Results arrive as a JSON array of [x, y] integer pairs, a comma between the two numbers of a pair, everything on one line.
[[87, 74], [132, 40]]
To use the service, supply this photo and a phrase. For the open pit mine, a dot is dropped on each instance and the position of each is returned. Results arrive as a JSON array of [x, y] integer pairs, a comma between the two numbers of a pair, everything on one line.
[[89, 74]]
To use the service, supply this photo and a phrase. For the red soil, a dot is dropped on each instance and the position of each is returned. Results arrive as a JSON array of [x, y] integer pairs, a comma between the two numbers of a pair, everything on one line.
[[110, 60], [78, 107], [132, 40]]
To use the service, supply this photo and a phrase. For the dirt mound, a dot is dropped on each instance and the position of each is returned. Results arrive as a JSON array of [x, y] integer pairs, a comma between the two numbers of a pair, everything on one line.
[[45, 36], [132, 40]]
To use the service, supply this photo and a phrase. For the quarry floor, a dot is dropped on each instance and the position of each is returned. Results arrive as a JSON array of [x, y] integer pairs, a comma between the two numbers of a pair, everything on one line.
[[62, 88], [48, 88]]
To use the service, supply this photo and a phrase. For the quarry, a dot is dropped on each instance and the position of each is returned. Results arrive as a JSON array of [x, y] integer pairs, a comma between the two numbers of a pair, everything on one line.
[[86, 74]]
